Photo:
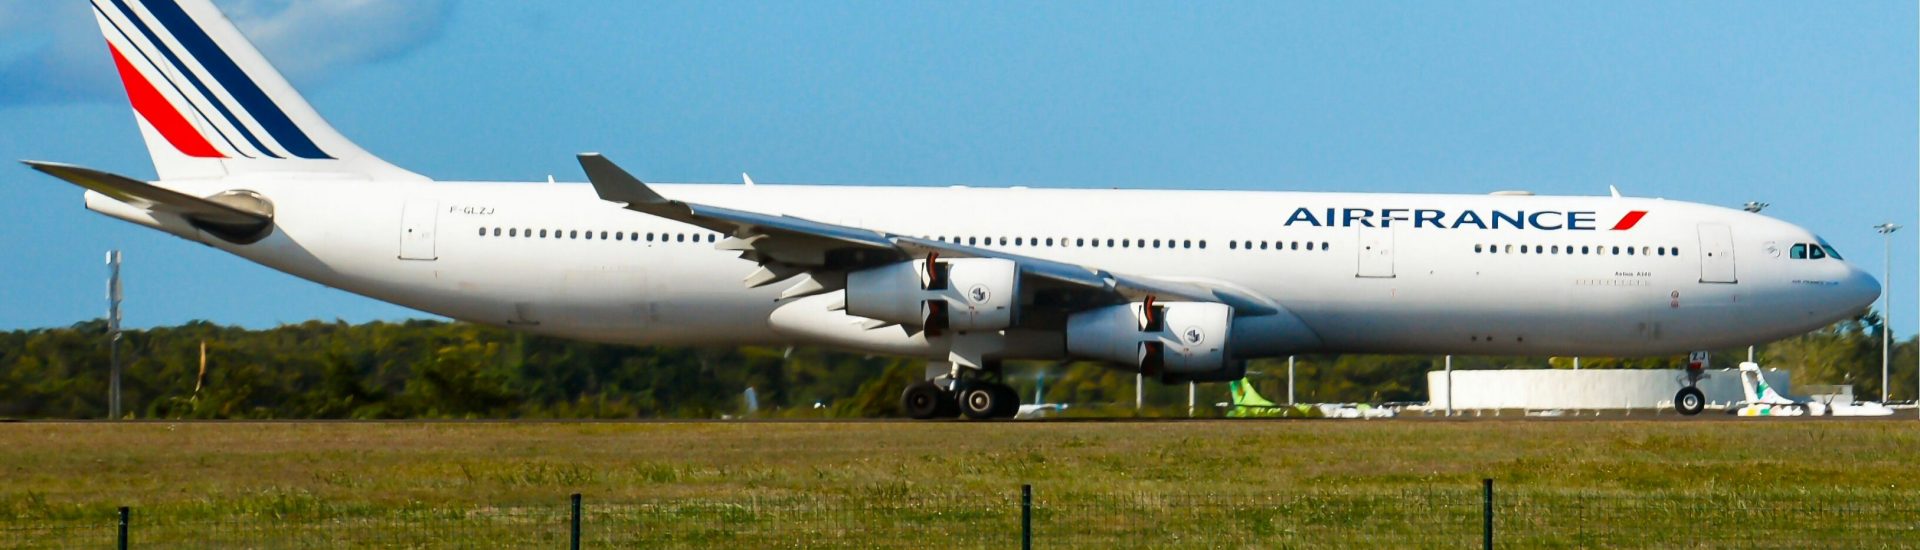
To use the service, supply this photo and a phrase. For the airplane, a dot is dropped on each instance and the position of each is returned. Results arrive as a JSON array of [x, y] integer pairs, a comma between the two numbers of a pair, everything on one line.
[[1178, 285], [1248, 403], [1762, 400], [1040, 408]]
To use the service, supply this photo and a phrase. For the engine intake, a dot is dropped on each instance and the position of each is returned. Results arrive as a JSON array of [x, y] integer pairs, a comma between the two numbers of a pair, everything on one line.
[[963, 294]]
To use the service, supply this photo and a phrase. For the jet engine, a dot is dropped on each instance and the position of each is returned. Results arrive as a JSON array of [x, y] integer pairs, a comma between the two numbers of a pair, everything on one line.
[[963, 294], [1175, 341]]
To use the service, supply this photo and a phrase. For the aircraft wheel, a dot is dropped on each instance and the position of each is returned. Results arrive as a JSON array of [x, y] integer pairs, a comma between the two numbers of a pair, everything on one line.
[[982, 401], [1009, 399], [925, 400], [1690, 401]]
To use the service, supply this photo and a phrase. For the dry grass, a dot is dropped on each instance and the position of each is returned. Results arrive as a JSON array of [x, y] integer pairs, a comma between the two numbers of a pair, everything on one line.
[[863, 474]]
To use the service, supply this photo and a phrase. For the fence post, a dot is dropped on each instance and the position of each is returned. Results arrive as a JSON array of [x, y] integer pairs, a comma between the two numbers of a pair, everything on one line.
[[1486, 515], [124, 512], [575, 538], [1026, 517]]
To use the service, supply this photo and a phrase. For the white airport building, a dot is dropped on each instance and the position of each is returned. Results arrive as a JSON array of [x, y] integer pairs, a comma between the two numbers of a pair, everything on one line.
[[1563, 389]]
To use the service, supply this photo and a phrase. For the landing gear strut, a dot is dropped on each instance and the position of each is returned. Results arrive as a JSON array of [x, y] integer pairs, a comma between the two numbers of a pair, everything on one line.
[[975, 393]]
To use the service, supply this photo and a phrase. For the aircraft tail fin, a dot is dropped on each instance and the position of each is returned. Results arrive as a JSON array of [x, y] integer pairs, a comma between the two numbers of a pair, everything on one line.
[[1245, 396], [210, 106], [1754, 384]]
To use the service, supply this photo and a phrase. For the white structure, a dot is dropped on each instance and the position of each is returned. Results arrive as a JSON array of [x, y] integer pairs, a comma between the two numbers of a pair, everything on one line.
[[1582, 389]]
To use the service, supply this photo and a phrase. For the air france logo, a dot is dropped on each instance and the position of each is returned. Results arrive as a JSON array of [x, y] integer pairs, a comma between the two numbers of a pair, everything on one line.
[[1423, 218], [978, 294], [1193, 336]]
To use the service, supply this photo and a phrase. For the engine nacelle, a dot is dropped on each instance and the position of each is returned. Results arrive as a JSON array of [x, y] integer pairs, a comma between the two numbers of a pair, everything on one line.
[[1176, 341], [960, 294]]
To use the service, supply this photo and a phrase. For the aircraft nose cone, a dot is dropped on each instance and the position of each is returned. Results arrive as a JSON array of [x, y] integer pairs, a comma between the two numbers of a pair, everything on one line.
[[1860, 288]]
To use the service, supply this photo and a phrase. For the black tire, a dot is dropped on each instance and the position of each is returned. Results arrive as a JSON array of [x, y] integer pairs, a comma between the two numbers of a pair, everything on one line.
[[925, 400], [1010, 401], [1690, 401], [980, 401]]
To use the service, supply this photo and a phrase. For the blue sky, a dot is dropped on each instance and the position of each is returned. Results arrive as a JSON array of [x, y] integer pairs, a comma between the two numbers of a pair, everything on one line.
[[1811, 107]]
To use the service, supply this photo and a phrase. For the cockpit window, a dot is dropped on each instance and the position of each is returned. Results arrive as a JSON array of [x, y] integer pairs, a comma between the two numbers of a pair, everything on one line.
[[1828, 249], [1799, 252], [1815, 253]]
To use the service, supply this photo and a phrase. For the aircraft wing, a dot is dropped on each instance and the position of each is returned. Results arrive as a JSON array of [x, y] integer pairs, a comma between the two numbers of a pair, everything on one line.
[[787, 247]]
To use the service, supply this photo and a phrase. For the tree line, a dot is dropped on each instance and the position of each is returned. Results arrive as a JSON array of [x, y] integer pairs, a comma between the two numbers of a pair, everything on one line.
[[433, 369]]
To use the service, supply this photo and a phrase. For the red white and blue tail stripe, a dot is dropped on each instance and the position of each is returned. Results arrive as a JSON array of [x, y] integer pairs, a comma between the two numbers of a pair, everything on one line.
[[211, 106]]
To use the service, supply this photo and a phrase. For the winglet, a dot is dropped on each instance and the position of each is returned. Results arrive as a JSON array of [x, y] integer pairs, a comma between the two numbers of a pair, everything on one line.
[[615, 184]]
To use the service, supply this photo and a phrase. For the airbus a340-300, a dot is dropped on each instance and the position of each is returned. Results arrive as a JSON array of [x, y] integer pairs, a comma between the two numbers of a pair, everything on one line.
[[1179, 285]]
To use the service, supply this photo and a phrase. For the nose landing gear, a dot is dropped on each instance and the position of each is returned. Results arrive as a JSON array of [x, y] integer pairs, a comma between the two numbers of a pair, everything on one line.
[[1690, 401]]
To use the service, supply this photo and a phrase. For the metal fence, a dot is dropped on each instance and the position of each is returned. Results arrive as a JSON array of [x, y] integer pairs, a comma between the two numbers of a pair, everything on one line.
[[1436, 517]]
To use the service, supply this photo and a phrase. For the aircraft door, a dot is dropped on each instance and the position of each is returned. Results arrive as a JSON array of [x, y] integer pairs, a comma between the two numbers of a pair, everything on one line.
[[1716, 254], [418, 220], [1376, 252]]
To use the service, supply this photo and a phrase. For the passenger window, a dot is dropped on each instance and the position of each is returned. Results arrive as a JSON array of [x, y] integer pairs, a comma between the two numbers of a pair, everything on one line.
[[1799, 252], [1324, 245], [1556, 249], [1003, 241], [1203, 244], [1616, 251], [1309, 245], [1017, 241], [1109, 243], [1815, 252], [512, 233], [1049, 241], [1629, 251], [543, 233], [589, 235]]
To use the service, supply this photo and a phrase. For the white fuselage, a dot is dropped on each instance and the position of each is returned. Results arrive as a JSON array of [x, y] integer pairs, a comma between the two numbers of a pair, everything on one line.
[[1550, 277]]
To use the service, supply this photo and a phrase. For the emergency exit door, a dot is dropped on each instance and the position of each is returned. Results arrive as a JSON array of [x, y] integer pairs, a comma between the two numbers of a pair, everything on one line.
[[417, 224], [1716, 254], [1376, 252]]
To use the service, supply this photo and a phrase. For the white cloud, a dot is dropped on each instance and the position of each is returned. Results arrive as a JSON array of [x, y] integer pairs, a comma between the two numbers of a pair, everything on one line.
[[52, 53]]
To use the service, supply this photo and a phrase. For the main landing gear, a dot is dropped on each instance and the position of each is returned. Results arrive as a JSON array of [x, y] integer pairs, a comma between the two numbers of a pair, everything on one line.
[[975, 393]]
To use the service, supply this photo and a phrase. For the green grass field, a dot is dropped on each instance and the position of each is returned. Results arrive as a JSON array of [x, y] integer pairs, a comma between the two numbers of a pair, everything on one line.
[[1566, 483]]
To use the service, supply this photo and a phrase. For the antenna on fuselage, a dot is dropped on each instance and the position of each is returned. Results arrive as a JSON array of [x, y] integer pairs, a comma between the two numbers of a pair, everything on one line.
[[1755, 206], [1614, 190], [747, 179]]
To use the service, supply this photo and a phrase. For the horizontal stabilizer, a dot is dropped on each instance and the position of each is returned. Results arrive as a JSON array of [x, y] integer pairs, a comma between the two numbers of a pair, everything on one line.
[[239, 216]]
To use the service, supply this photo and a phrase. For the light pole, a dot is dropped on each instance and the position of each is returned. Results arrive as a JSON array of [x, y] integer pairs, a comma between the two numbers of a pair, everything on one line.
[[1886, 315]]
